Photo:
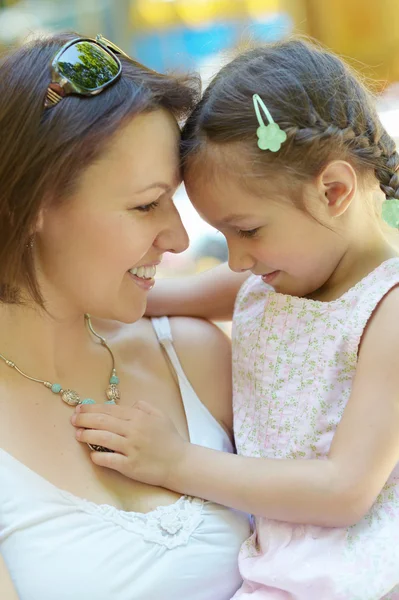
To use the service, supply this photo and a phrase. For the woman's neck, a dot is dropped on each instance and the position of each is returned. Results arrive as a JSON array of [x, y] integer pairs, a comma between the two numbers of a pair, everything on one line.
[[44, 345]]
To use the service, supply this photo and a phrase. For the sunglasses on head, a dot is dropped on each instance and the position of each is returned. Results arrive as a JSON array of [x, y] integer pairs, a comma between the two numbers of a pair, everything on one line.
[[83, 66]]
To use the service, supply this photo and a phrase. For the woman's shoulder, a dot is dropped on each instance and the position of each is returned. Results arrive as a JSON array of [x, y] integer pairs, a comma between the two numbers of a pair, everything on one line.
[[204, 351], [191, 336]]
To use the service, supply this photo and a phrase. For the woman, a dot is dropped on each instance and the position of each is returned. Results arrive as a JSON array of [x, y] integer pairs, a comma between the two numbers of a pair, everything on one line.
[[89, 164]]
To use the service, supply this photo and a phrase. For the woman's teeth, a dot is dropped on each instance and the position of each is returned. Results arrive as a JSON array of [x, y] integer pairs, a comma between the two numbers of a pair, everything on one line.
[[144, 272]]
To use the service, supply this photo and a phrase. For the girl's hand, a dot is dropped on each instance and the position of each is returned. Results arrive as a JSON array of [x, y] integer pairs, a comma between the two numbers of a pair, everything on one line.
[[147, 447]]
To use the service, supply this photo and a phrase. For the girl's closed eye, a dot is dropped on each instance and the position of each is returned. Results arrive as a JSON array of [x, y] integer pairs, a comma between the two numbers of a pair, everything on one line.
[[248, 233]]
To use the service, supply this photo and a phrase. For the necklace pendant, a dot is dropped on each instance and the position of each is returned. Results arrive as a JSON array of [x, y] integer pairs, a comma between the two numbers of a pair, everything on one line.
[[70, 397], [113, 392], [97, 448]]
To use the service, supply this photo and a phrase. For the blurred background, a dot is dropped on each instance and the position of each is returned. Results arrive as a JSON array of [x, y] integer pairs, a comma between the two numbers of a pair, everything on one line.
[[200, 35]]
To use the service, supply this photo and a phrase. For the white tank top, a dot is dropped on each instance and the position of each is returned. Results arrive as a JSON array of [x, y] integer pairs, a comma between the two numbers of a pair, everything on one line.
[[58, 546]]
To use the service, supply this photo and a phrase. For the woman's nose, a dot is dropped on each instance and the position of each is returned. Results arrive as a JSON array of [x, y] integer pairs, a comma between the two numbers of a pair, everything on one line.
[[174, 237]]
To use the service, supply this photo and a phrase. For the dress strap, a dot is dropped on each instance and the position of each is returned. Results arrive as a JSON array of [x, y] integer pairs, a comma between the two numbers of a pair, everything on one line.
[[365, 298]]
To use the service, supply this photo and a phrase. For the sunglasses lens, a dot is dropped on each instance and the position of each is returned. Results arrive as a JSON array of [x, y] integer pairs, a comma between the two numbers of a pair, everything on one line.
[[88, 65]]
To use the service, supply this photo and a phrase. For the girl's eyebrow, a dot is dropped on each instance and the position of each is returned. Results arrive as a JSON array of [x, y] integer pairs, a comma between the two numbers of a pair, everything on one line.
[[159, 184], [233, 217]]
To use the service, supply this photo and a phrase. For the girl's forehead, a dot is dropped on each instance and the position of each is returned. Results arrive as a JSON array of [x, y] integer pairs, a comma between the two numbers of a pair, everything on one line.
[[234, 199], [225, 202], [236, 166], [233, 186], [214, 158]]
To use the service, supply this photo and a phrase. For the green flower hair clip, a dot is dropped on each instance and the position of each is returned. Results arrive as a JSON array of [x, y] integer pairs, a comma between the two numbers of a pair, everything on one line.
[[390, 212], [271, 136]]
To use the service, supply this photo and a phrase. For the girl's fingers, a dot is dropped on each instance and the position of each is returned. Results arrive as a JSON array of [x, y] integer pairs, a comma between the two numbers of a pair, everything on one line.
[[107, 439], [114, 410], [111, 460], [100, 421]]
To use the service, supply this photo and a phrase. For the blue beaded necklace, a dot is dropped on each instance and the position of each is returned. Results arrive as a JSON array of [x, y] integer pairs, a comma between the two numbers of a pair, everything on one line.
[[70, 396]]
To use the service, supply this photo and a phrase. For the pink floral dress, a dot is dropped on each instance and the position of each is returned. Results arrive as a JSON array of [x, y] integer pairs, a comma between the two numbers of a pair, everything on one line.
[[294, 361]]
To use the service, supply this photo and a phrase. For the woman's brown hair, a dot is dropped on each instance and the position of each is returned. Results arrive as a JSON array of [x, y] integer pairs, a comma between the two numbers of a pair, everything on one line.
[[43, 152], [318, 100]]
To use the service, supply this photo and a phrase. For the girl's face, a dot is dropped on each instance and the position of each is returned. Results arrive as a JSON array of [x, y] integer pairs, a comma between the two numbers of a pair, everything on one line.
[[269, 236], [120, 218]]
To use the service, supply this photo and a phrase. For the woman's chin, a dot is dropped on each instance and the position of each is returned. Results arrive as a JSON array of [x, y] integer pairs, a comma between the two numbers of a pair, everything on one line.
[[125, 312], [130, 314]]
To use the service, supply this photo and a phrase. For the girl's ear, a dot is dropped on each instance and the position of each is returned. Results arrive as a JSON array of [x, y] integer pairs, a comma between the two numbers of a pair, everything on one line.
[[337, 184]]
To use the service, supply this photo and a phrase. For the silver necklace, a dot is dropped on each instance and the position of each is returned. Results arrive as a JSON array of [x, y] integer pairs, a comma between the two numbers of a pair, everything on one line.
[[70, 396]]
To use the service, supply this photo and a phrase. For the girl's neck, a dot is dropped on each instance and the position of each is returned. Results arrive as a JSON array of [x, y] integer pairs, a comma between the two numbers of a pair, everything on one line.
[[355, 264]]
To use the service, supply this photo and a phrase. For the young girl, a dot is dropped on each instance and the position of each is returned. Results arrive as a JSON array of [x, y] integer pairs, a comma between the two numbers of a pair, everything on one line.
[[286, 156]]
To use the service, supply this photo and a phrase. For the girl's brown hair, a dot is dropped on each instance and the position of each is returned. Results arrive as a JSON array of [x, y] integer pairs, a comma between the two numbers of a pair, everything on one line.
[[43, 152], [318, 100]]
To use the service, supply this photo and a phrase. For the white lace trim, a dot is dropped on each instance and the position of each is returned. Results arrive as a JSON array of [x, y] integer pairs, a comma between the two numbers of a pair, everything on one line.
[[168, 526]]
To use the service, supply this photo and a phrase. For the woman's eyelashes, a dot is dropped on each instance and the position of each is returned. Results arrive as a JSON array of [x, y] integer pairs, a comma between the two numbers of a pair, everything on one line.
[[164, 198], [147, 207]]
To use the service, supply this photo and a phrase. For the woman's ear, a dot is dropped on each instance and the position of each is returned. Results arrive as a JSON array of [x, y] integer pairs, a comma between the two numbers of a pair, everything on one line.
[[39, 221], [337, 184]]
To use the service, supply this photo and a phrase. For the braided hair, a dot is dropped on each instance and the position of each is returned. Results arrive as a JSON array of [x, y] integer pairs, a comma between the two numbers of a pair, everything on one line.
[[315, 97]]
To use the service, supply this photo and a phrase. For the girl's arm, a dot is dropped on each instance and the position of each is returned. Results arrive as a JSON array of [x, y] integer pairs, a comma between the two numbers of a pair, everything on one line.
[[335, 492], [210, 295]]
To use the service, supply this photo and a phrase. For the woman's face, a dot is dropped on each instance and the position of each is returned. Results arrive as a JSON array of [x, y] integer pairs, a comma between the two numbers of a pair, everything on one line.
[[120, 218]]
